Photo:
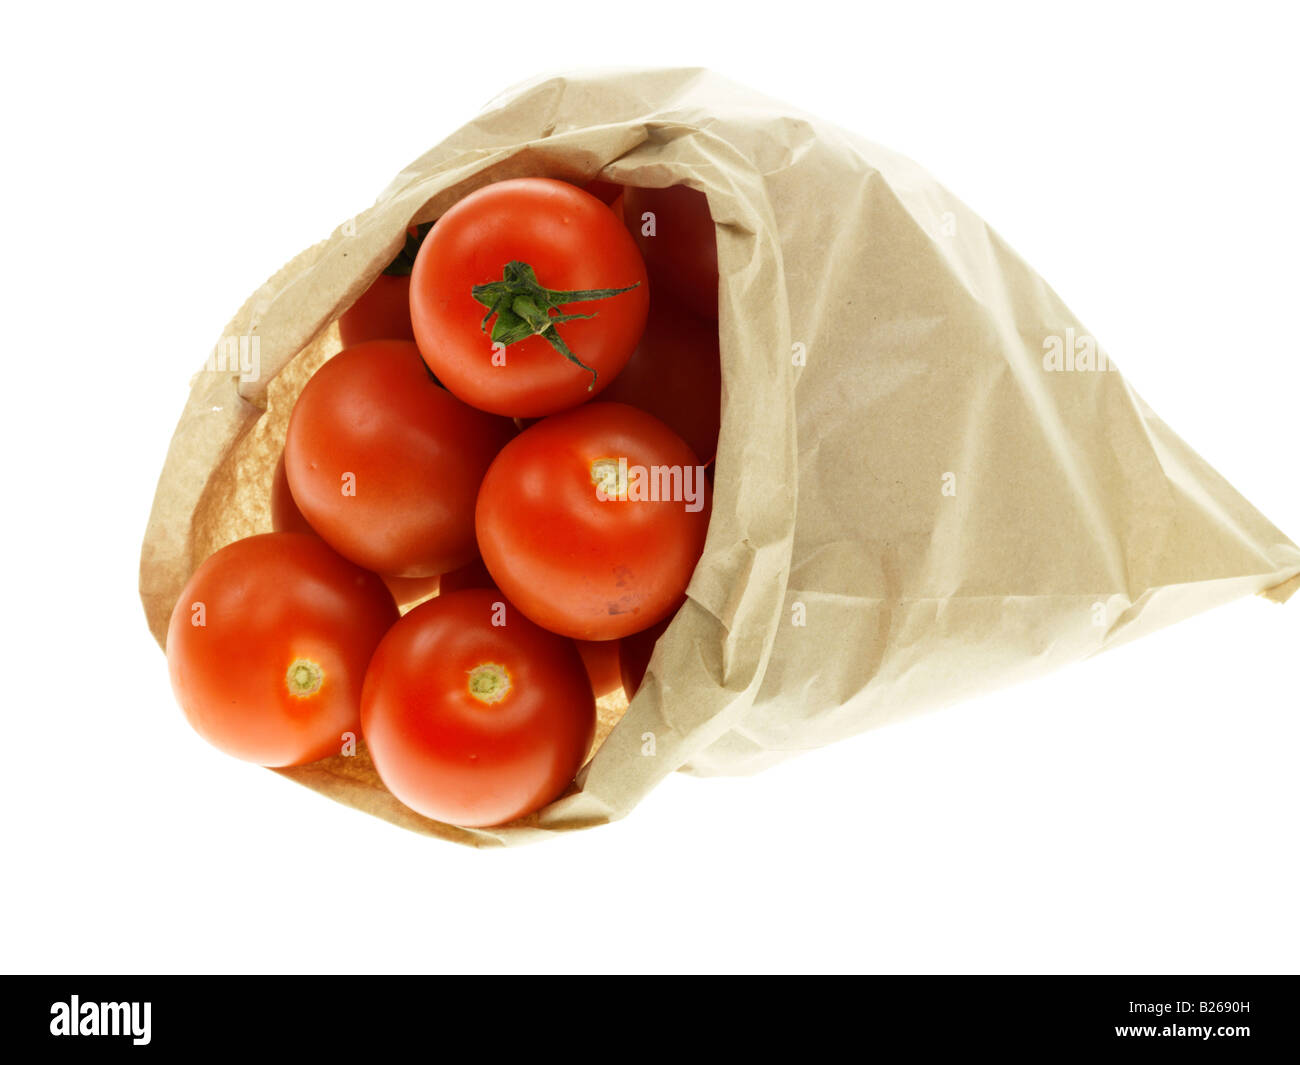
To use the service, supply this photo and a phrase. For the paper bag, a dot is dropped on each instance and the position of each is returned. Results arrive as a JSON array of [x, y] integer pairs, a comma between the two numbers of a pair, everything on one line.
[[931, 481]]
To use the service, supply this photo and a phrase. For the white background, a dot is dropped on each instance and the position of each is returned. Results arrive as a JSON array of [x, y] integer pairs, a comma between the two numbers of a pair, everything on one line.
[[1134, 813]]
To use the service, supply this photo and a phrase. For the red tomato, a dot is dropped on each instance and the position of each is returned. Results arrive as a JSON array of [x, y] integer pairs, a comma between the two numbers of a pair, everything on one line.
[[475, 716], [600, 658], [580, 565], [385, 464], [511, 247], [286, 517], [634, 654], [682, 253], [268, 647], [675, 374], [382, 312]]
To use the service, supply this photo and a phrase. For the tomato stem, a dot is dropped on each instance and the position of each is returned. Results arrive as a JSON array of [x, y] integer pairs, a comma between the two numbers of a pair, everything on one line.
[[523, 309], [405, 261]]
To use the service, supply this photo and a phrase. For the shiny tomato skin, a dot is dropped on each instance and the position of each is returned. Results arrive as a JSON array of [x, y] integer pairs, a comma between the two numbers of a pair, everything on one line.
[[382, 312], [682, 255], [599, 657], [586, 568], [573, 242], [476, 760], [676, 375], [371, 420], [286, 517], [268, 603]]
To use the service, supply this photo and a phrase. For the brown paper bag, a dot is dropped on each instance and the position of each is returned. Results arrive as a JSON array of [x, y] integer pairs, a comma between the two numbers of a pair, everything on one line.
[[930, 481]]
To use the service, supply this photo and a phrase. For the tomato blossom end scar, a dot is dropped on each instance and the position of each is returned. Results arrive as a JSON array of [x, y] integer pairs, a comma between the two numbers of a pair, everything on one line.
[[303, 678], [489, 683], [609, 475]]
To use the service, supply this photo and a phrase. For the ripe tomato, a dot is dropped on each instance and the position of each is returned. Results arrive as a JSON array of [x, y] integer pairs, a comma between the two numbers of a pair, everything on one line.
[[516, 250], [584, 566], [682, 253], [286, 517], [385, 464], [675, 374], [600, 658], [382, 312], [268, 647], [473, 715], [634, 655]]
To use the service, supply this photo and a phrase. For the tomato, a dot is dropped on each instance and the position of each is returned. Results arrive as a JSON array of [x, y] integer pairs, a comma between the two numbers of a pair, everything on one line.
[[286, 517], [600, 658], [584, 566], [500, 265], [473, 715], [634, 655], [382, 312], [268, 647], [384, 464], [675, 374], [682, 253]]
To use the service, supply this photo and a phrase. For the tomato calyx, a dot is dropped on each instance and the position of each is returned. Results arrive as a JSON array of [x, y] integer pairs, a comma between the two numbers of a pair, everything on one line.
[[303, 678], [524, 308], [405, 261], [489, 683]]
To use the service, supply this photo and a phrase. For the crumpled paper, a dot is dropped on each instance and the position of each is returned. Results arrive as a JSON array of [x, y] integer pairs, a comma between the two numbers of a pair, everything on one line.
[[931, 481]]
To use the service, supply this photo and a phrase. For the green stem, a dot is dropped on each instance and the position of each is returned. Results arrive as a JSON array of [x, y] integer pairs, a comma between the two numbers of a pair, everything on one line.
[[523, 309], [405, 261]]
